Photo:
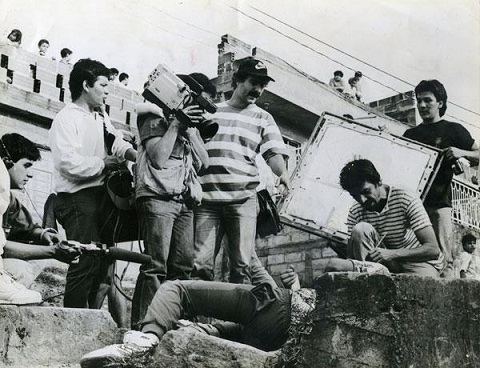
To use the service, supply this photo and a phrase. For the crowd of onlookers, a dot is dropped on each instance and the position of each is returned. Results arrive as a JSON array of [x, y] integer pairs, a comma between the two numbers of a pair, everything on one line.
[[14, 38], [354, 87]]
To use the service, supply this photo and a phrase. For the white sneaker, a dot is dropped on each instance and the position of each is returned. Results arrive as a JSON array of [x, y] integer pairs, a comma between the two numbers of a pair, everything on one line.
[[136, 348], [11, 292], [140, 339], [204, 328], [369, 267]]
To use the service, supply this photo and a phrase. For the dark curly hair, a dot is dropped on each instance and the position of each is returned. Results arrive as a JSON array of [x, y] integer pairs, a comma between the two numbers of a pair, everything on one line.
[[357, 172], [85, 70]]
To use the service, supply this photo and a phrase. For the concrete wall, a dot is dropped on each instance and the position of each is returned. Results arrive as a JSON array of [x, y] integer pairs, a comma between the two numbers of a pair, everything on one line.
[[402, 321]]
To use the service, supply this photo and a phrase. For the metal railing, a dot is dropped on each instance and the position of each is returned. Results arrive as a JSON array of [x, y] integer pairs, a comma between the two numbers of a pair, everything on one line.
[[465, 204]]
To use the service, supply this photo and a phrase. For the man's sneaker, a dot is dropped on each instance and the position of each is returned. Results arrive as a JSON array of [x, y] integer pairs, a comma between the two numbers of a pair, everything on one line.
[[369, 267], [140, 339], [136, 347], [11, 292]]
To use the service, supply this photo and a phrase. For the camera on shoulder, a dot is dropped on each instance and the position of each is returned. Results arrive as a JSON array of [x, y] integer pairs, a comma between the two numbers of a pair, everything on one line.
[[173, 93]]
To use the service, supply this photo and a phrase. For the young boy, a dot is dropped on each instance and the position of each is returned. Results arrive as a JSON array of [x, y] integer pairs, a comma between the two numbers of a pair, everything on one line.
[[43, 46], [468, 260]]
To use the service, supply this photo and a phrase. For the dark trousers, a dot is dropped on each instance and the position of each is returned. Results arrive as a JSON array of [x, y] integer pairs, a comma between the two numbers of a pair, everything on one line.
[[262, 314], [79, 214]]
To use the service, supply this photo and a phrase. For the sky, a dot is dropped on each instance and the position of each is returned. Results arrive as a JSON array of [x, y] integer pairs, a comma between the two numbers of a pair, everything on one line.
[[407, 39]]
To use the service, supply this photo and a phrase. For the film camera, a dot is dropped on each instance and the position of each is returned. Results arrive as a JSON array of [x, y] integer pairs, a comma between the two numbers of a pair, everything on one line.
[[174, 92]]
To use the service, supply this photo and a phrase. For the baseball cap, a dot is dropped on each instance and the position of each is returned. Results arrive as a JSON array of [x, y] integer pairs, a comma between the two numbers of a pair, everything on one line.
[[254, 67]]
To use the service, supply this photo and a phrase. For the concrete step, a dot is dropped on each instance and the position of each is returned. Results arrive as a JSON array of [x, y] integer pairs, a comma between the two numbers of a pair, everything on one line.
[[51, 336]]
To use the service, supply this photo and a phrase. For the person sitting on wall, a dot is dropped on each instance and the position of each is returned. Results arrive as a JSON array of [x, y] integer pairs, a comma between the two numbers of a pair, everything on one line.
[[43, 46], [113, 74], [387, 224], [20, 154], [123, 79], [66, 55], [14, 38], [337, 83], [469, 260], [355, 92]]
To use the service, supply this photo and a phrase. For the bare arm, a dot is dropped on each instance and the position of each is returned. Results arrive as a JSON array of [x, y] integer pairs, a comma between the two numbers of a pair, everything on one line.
[[198, 147], [427, 251], [277, 164], [159, 149], [453, 153], [148, 108]]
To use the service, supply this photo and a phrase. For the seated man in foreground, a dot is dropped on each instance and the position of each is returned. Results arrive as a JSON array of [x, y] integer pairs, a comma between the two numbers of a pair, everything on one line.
[[19, 155], [388, 225]]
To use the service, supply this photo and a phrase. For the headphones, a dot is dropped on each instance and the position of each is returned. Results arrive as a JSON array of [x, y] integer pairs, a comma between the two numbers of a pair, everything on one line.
[[7, 160]]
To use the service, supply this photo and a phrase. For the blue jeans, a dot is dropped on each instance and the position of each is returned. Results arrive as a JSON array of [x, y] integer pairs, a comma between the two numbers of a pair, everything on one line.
[[167, 229], [261, 313], [235, 220], [79, 214]]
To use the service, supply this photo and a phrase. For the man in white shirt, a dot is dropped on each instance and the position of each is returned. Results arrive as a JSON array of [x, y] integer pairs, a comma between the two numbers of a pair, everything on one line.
[[84, 147]]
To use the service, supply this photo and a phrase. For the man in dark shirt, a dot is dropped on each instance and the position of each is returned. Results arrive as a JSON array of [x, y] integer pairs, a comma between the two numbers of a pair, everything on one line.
[[456, 142]]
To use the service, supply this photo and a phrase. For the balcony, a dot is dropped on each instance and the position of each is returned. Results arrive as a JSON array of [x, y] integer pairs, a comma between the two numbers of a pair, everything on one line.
[[465, 204]]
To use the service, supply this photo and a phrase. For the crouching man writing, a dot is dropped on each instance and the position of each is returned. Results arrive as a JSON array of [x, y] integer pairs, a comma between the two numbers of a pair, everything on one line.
[[388, 225]]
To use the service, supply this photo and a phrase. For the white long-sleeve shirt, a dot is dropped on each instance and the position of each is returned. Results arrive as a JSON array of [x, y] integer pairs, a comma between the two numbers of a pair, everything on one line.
[[76, 139]]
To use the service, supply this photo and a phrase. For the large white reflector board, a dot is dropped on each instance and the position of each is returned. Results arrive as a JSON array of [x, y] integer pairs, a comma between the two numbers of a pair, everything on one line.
[[317, 203]]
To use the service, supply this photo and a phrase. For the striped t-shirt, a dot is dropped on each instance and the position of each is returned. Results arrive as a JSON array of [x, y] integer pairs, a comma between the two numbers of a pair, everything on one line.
[[402, 215], [243, 133]]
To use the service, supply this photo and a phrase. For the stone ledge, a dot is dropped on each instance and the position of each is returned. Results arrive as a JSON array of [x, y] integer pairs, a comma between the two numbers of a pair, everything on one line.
[[360, 321], [49, 336], [400, 321]]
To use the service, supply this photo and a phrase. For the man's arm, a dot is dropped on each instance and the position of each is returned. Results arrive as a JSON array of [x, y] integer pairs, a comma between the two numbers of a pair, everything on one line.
[[159, 148], [277, 164], [23, 228], [454, 153], [198, 147], [32, 251], [427, 251]]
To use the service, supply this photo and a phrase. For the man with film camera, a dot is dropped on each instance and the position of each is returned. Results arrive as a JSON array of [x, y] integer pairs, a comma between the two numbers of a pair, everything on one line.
[[170, 151]]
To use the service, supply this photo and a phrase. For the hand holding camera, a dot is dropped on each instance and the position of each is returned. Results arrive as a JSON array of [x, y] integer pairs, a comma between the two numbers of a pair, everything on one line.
[[182, 97]]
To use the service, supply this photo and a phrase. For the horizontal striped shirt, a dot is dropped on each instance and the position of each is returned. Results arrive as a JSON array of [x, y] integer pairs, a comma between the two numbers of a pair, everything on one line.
[[401, 217], [232, 175]]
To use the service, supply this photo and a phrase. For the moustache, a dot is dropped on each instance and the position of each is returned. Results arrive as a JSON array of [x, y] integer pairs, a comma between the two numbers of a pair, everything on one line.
[[254, 94]]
